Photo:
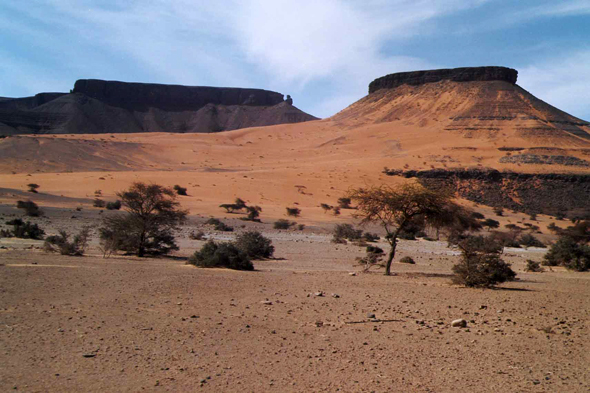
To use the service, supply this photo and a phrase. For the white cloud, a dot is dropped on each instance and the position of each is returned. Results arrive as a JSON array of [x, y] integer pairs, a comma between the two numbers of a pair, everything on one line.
[[563, 82]]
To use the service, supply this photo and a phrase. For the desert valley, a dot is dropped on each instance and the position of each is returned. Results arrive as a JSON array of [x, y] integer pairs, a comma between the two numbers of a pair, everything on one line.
[[311, 317]]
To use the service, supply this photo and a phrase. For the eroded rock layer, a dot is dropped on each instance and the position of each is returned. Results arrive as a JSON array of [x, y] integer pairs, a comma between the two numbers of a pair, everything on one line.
[[466, 74]]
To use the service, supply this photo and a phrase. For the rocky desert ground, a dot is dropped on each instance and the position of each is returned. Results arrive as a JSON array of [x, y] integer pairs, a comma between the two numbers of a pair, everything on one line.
[[309, 320]]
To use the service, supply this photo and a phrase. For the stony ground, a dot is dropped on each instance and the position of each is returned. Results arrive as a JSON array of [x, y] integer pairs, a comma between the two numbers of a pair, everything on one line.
[[125, 324]]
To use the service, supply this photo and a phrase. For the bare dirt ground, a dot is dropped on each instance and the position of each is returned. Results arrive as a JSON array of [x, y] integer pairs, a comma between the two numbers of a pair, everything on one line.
[[125, 324]]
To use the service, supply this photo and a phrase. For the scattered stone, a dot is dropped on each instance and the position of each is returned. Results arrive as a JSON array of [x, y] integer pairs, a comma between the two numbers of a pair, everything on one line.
[[371, 315], [335, 295], [319, 294], [459, 323], [266, 302], [89, 355], [352, 274]]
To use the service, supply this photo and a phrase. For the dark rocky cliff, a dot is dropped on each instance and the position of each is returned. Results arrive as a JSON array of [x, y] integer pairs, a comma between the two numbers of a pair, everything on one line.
[[172, 98], [547, 193], [97, 106], [466, 74]]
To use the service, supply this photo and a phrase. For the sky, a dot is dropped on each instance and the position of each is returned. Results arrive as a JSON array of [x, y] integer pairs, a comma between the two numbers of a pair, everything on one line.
[[324, 53]]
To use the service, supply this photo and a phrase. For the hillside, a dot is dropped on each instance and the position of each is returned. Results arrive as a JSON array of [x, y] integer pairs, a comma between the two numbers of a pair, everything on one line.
[[445, 126], [97, 107]]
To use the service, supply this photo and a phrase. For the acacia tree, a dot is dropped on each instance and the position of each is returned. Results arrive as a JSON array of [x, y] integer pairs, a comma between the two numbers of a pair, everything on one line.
[[152, 212], [394, 209]]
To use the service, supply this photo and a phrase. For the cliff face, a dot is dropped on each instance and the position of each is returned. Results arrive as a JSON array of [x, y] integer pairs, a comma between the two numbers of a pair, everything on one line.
[[548, 193], [97, 106], [172, 98], [467, 74]]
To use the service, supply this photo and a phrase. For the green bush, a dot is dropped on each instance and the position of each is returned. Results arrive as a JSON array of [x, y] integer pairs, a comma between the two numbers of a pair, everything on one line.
[[254, 245], [24, 230], [407, 259], [567, 252], [60, 243], [31, 209], [221, 255], [481, 265], [114, 205], [283, 224]]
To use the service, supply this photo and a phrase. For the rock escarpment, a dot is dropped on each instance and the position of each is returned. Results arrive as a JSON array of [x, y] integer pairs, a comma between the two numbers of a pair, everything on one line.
[[97, 106], [547, 193], [466, 74]]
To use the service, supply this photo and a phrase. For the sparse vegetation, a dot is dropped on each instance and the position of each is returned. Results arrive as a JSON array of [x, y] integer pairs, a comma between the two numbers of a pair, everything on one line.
[[23, 230], [394, 209], [152, 213], [326, 207], [490, 224], [114, 205], [219, 225], [481, 264], [344, 232], [200, 235], [498, 211], [33, 187], [253, 212], [283, 224], [529, 240], [344, 203], [225, 254], [31, 208], [407, 259], [293, 211], [569, 253], [99, 203], [238, 205], [60, 243], [533, 266], [254, 245], [180, 190]]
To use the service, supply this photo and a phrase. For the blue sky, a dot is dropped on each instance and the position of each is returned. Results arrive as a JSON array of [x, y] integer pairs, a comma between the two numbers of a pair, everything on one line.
[[324, 53]]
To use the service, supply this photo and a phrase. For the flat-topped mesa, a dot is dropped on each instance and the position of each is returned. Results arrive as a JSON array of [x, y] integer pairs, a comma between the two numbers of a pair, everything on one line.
[[173, 98], [466, 74]]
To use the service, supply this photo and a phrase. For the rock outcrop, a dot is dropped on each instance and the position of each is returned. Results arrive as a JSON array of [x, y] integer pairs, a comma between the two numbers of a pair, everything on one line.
[[466, 74], [97, 106], [547, 193], [171, 98]]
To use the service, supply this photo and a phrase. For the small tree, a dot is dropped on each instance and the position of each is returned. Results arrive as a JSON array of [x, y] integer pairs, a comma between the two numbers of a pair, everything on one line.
[[394, 209], [152, 212], [31, 208], [33, 187], [293, 211]]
